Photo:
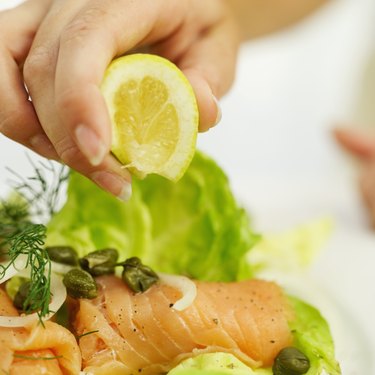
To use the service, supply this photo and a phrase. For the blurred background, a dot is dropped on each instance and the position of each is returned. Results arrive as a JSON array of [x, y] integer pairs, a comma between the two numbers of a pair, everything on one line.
[[275, 142], [276, 145]]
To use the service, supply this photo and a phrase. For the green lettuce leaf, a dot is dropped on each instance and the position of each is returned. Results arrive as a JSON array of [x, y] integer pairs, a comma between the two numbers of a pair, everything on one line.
[[193, 227], [215, 364], [287, 252], [313, 337], [92, 219]]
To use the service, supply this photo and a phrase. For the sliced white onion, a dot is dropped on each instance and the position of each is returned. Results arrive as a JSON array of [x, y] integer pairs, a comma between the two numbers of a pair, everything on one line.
[[58, 292], [61, 268], [14, 269], [186, 286]]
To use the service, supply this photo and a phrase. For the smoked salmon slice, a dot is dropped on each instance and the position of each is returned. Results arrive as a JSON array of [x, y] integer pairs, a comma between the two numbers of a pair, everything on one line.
[[128, 333], [35, 350]]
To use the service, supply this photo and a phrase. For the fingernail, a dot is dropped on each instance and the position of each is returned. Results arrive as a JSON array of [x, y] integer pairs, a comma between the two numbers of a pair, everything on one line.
[[90, 144], [219, 113], [116, 185]]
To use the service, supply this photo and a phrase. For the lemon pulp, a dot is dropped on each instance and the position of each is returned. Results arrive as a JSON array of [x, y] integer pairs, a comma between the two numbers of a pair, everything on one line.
[[154, 115]]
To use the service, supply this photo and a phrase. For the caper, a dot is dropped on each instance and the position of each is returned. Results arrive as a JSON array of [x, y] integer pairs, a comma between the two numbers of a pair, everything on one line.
[[80, 284], [63, 254], [290, 361], [21, 297], [137, 276], [100, 262]]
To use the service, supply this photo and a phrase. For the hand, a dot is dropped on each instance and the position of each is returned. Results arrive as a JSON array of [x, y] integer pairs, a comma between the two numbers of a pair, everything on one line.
[[362, 146], [73, 45], [18, 119]]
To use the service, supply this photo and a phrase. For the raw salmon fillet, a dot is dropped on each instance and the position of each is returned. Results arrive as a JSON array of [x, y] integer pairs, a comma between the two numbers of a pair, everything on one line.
[[19, 345], [131, 333]]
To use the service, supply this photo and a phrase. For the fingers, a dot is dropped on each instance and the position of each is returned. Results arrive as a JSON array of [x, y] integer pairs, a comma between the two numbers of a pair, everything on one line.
[[210, 65], [75, 44], [358, 143], [82, 60], [118, 26], [39, 72], [18, 26], [18, 120]]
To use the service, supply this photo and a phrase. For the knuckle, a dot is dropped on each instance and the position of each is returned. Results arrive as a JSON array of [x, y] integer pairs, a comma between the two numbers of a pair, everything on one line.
[[79, 28], [69, 154], [8, 122], [39, 60]]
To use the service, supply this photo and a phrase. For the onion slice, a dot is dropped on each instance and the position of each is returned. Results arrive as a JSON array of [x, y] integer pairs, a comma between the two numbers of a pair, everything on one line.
[[14, 269], [58, 292], [61, 268], [186, 286]]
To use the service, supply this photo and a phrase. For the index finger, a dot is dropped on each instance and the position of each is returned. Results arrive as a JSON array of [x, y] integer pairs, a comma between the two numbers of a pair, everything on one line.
[[87, 45]]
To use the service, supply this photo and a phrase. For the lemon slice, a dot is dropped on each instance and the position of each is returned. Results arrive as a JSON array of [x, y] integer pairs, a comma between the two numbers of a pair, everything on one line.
[[154, 115]]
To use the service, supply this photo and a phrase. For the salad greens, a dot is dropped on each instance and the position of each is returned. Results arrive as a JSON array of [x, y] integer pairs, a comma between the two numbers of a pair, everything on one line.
[[287, 252], [215, 364], [195, 227], [313, 337]]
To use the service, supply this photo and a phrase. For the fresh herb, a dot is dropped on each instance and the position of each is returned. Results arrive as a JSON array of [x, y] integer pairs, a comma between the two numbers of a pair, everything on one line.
[[42, 190], [20, 298], [37, 358], [14, 211], [87, 333], [13, 217], [36, 198], [29, 241]]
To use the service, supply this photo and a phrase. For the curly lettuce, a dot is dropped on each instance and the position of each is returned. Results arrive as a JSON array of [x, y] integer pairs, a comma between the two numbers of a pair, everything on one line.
[[193, 227]]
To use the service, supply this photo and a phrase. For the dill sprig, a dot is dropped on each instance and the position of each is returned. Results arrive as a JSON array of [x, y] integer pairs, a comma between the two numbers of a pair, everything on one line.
[[29, 241], [33, 358], [41, 190], [14, 215], [87, 333], [36, 200]]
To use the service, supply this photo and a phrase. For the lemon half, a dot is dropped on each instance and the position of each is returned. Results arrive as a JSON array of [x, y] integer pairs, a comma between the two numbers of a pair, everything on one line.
[[154, 115]]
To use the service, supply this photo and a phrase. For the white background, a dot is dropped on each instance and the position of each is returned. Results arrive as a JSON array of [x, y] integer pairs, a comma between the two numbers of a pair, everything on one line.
[[275, 144]]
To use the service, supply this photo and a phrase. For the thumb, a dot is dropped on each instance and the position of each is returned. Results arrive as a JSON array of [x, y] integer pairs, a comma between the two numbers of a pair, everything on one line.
[[359, 143]]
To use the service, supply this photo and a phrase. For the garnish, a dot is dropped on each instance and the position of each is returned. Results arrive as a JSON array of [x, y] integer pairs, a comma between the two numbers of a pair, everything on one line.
[[185, 285], [21, 296], [100, 262], [35, 198], [87, 333], [42, 190], [63, 254], [80, 284], [291, 361], [29, 241], [34, 358], [137, 276]]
